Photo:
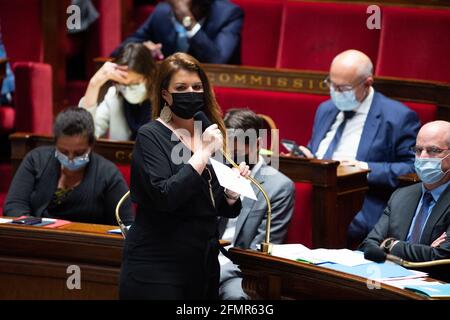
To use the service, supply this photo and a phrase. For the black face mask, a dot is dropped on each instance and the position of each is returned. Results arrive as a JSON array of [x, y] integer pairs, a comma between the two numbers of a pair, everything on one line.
[[186, 104]]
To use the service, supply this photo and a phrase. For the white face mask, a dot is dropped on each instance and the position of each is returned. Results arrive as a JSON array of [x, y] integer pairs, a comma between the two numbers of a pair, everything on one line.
[[135, 93]]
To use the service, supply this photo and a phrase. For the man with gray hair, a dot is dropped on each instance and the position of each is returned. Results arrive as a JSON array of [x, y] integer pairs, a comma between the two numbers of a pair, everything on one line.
[[361, 127], [415, 225]]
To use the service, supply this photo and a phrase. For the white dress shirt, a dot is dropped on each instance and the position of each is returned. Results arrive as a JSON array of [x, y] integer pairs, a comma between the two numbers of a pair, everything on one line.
[[348, 145]]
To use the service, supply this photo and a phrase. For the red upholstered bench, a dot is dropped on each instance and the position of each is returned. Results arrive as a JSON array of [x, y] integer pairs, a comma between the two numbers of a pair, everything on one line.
[[125, 170], [415, 43], [5, 181], [313, 33], [292, 112], [425, 111], [300, 228], [260, 32], [25, 48], [140, 14]]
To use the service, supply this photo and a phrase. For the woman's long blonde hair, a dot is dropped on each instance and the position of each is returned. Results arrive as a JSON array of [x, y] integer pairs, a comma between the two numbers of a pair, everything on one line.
[[183, 61]]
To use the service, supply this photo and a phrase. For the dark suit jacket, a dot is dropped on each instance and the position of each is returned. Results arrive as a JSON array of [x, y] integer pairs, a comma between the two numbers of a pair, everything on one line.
[[218, 40], [397, 219], [94, 200], [388, 134], [174, 239]]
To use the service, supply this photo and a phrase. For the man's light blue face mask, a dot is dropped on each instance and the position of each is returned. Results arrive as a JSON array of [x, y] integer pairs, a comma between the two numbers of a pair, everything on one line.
[[429, 170], [344, 101], [75, 164]]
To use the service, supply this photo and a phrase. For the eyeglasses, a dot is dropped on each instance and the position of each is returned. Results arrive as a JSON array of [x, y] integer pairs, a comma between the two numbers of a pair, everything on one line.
[[432, 151], [341, 88]]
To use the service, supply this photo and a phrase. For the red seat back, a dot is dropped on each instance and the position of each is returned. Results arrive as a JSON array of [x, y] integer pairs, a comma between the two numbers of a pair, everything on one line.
[[425, 111], [300, 227], [125, 170], [293, 113], [260, 32], [312, 34], [21, 29], [415, 43]]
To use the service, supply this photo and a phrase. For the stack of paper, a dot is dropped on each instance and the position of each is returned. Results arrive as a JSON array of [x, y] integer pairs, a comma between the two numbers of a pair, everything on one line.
[[319, 256], [433, 290]]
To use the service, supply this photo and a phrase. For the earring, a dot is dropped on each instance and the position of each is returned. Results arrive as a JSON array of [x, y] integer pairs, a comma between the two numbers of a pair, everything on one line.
[[166, 114]]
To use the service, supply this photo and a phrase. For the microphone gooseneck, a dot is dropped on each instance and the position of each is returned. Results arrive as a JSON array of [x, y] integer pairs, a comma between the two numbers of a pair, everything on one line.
[[266, 246], [122, 226]]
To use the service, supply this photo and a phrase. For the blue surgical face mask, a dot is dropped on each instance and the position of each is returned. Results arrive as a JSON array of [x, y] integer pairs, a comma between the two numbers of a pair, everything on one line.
[[429, 170], [344, 101], [75, 164]]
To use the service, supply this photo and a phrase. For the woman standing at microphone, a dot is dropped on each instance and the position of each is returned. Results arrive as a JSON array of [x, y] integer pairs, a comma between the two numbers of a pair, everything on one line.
[[171, 251]]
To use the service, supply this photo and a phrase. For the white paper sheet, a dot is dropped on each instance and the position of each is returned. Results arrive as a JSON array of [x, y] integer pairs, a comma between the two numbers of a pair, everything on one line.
[[295, 252], [345, 257], [402, 283], [3, 220], [228, 179]]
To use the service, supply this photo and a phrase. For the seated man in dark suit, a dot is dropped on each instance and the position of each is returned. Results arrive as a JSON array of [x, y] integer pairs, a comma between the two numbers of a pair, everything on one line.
[[249, 228], [415, 225], [362, 127], [209, 30]]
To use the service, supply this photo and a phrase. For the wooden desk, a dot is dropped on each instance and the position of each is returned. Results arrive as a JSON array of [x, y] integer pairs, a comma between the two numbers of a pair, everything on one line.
[[34, 261], [268, 277], [408, 179]]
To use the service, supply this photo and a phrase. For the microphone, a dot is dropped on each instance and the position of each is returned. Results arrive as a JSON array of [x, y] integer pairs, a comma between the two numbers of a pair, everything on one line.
[[377, 255], [266, 246]]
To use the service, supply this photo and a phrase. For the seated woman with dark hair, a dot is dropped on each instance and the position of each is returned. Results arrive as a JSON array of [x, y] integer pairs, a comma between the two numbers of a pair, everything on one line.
[[68, 180], [118, 95]]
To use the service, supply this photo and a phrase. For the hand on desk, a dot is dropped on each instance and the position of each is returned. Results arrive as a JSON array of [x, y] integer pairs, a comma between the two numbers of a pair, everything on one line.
[[307, 152], [355, 163], [303, 149]]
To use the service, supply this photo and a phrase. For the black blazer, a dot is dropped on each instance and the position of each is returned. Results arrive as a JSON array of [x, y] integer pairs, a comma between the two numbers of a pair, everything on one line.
[[93, 201], [174, 239], [397, 219]]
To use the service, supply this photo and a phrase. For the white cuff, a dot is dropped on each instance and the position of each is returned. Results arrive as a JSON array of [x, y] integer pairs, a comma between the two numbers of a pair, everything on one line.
[[191, 33]]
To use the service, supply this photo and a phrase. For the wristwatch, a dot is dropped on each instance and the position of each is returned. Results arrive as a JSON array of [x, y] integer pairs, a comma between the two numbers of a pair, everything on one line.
[[187, 22], [387, 244]]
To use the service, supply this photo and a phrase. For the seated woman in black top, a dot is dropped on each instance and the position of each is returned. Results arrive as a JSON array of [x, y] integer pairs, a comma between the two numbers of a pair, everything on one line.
[[171, 251], [68, 181]]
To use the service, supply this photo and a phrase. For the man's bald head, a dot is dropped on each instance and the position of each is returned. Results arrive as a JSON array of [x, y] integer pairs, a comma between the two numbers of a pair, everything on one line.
[[436, 132], [352, 68], [352, 65]]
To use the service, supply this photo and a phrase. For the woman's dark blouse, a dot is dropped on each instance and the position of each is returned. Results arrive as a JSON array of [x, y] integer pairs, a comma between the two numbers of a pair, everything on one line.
[[174, 239], [93, 201]]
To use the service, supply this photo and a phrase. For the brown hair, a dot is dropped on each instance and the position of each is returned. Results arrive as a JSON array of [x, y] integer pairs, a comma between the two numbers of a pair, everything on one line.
[[138, 58], [183, 61]]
